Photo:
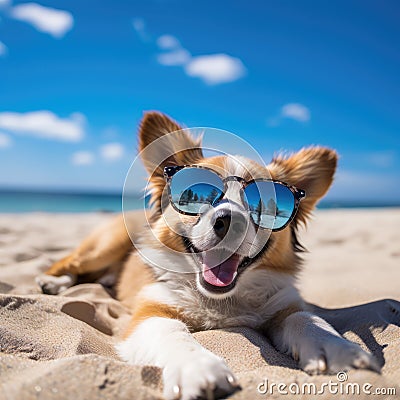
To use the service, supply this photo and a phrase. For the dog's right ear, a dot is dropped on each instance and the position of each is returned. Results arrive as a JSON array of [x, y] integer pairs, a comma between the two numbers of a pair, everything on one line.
[[163, 142]]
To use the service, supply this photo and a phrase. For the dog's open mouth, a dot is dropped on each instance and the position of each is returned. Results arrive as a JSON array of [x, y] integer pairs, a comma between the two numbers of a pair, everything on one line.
[[221, 277], [222, 274], [220, 269]]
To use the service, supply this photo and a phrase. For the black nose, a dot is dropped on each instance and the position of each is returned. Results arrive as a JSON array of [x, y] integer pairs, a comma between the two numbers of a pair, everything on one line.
[[222, 224]]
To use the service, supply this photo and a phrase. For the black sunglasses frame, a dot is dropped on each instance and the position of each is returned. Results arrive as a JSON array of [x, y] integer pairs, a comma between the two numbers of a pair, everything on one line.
[[298, 194]]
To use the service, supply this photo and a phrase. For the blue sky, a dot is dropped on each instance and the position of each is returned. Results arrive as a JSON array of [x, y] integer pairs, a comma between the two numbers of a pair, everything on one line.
[[76, 77]]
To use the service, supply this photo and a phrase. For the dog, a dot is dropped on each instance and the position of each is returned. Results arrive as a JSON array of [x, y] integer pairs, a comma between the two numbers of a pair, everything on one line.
[[214, 255]]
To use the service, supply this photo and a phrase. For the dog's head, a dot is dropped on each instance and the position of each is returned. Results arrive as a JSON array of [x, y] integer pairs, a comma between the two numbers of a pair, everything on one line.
[[224, 236]]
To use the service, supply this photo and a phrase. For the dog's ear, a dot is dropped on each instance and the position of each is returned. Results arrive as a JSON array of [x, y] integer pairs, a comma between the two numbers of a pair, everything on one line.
[[311, 169], [163, 142]]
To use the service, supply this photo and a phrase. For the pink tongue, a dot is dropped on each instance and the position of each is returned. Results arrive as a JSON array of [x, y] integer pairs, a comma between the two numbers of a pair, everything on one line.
[[223, 274]]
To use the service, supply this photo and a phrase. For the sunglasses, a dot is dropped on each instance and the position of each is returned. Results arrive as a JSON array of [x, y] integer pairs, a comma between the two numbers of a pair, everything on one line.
[[193, 189]]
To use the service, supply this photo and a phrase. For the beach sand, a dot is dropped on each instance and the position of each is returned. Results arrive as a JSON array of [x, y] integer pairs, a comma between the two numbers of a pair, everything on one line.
[[61, 347]]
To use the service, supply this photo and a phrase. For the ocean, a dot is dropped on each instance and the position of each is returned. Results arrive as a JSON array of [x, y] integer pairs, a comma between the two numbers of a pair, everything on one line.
[[15, 201], [65, 202]]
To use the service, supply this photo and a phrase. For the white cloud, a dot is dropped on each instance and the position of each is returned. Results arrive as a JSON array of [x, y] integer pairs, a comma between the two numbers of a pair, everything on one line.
[[49, 20], [168, 42], [296, 111], [44, 124], [139, 26], [82, 158], [176, 57], [3, 49], [216, 68], [112, 151], [213, 69], [5, 141], [4, 3]]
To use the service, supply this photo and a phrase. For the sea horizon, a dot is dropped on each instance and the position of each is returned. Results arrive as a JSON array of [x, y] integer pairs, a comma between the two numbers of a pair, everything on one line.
[[73, 201]]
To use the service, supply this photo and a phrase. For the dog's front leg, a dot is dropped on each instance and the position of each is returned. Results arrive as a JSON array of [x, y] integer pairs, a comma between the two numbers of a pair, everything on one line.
[[189, 370], [316, 344]]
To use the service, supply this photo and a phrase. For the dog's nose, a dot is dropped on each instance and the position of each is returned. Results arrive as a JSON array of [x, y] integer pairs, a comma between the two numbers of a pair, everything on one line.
[[223, 223], [221, 226]]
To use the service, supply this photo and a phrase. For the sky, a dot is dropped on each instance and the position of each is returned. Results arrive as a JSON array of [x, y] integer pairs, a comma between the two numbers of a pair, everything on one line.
[[76, 77]]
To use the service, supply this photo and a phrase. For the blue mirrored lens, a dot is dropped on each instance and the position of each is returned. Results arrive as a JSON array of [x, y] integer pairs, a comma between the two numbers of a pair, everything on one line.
[[193, 189], [270, 204]]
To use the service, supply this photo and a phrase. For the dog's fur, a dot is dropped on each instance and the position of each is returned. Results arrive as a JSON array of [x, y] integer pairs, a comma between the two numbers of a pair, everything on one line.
[[167, 304]]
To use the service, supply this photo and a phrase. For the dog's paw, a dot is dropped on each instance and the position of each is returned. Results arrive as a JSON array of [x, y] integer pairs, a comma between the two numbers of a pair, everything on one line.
[[202, 376], [55, 284], [335, 354]]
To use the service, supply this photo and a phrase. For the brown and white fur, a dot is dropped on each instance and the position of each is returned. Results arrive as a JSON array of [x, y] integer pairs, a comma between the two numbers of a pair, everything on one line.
[[168, 305]]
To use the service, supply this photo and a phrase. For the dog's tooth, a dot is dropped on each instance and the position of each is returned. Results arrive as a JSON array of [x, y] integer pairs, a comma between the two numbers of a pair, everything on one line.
[[177, 392]]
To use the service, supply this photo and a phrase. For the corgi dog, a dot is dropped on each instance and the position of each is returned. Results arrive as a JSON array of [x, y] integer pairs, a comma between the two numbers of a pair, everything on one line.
[[218, 248]]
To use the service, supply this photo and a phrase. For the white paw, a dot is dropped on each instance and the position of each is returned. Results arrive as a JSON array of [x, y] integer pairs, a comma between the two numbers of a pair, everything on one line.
[[333, 354], [55, 284], [201, 375]]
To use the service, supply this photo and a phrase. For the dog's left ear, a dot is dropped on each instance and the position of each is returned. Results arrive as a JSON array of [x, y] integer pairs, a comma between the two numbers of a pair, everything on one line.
[[311, 169]]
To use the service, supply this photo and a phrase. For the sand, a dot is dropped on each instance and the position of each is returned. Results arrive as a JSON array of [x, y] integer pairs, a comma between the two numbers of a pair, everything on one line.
[[61, 347]]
